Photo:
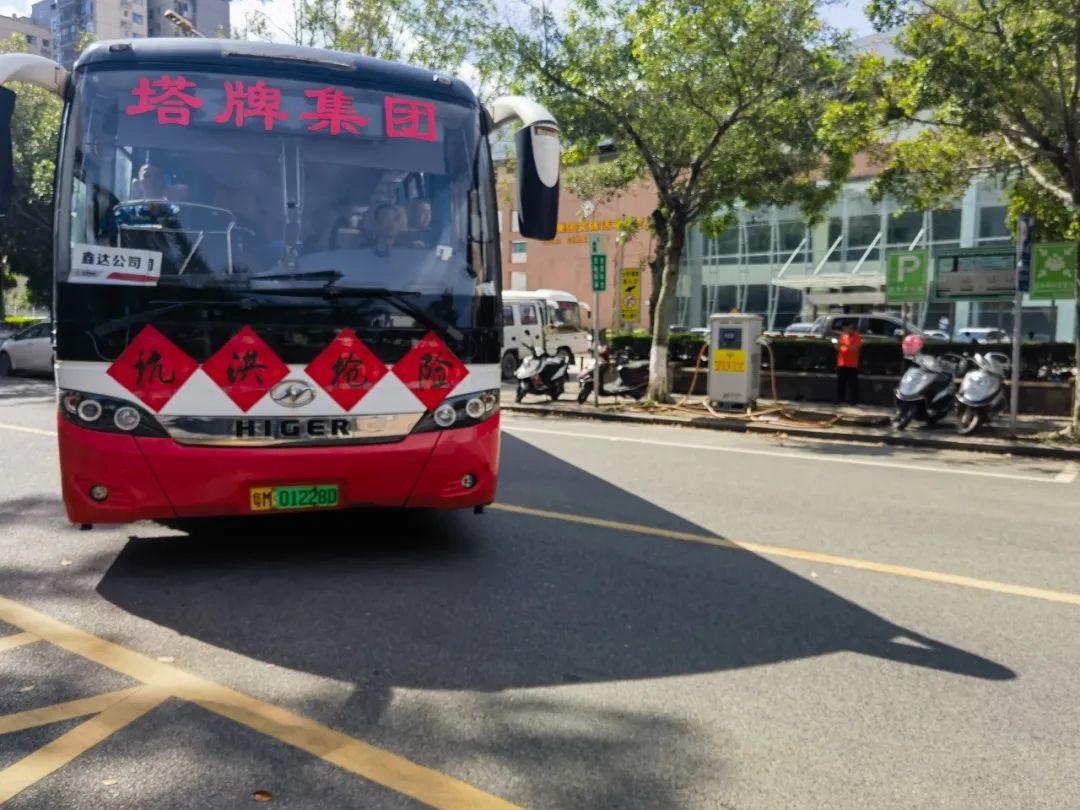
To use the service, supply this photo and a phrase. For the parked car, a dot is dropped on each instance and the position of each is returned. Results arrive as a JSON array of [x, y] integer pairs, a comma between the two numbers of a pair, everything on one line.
[[799, 330], [982, 334], [28, 351], [874, 324]]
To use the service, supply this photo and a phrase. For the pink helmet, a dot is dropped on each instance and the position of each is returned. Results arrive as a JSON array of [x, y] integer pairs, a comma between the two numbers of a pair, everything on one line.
[[912, 344]]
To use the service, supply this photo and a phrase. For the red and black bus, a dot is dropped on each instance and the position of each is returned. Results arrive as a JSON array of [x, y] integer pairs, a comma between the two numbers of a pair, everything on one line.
[[277, 278]]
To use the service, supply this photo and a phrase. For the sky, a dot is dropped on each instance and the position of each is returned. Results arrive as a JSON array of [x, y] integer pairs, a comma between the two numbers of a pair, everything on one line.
[[841, 14]]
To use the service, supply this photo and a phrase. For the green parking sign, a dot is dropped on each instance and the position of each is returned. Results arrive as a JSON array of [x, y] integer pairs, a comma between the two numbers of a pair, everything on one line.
[[906, 277], [599, 272], [1053, 271]]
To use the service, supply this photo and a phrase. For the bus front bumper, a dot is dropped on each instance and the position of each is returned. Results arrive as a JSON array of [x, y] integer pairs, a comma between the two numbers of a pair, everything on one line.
[[152, 478]]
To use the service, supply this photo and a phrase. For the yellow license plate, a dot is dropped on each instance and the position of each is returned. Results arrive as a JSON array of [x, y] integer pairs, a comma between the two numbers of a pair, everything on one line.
[[314, 496]]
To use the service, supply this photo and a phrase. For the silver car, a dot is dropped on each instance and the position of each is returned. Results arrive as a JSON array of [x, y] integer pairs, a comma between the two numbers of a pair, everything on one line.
[[28, 351]]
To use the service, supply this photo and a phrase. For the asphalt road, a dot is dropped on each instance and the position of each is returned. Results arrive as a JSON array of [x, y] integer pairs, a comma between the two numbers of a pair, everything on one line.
[[654, 618]]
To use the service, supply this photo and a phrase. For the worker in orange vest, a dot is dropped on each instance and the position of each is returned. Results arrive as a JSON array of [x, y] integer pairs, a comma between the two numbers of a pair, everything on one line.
[[847, 364]]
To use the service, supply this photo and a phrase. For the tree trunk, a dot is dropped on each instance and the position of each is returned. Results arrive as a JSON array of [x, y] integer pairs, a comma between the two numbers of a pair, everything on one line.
[[656, 263], [1075, 427], [659, 381]]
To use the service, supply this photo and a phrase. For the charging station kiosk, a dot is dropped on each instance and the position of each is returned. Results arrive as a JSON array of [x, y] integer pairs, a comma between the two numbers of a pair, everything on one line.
[[734, 360]]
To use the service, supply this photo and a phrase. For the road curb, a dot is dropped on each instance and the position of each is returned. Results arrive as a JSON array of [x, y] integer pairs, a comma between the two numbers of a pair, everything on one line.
[[1005, 448]]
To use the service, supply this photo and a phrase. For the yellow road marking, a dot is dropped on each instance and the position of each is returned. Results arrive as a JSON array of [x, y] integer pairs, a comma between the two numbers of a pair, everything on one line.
[[13, 642], [36, 766], [1061, 597], [58, 712], [21, 429], [374, 764]]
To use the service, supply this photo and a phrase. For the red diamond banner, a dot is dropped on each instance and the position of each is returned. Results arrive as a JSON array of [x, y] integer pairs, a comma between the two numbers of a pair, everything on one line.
[[245, 368], [346, 369], [153, 368], [430, 371]]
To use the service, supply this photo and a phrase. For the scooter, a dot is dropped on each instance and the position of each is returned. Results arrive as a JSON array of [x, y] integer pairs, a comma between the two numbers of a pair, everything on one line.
[[542, 373], [631, 376], [982, 392], [927, 390]]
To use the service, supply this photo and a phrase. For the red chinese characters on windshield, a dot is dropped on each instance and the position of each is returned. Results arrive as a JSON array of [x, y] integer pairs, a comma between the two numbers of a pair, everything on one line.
[[335, 112], [172, 104], [252, 101], [410, 119]]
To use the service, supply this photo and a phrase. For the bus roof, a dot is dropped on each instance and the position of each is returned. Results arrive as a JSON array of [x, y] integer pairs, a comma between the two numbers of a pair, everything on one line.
[[230, 54]]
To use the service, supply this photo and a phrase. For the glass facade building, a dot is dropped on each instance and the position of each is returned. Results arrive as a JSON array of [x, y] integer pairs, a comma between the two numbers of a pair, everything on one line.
[[773, 263]]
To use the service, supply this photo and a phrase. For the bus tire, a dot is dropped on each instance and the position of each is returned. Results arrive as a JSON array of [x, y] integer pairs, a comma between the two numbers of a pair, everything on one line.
[[509, 364]]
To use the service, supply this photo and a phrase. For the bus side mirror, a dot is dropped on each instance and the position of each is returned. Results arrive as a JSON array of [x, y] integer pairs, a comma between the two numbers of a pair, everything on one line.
[[539, 157], [7, 165]]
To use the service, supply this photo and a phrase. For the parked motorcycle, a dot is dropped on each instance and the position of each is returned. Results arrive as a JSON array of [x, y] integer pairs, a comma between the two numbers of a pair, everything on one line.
[[631, 377], [982, 392], [927, 390], [542, 374]]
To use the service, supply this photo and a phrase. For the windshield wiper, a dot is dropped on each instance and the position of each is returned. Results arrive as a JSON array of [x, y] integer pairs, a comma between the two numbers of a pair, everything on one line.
[[124, 321], [397, 298], [329, 291]]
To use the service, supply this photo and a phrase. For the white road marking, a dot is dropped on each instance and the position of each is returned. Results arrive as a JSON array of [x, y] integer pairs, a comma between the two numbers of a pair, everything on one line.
[[21, 429], [1068, 475], [861, 462]]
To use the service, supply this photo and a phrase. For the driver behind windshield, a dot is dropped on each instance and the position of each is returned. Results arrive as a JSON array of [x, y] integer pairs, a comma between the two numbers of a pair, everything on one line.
[[150, 184]]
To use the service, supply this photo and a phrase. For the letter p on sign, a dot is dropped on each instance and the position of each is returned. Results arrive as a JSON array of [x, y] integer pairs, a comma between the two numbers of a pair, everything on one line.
[[905, 281]]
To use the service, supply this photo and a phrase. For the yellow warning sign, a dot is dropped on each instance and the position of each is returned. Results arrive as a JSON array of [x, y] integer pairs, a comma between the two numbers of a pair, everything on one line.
[[732, 361], [630, 291]]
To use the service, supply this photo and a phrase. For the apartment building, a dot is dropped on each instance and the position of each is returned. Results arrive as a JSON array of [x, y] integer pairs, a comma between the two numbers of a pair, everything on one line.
[[38, 38], [70, 20]]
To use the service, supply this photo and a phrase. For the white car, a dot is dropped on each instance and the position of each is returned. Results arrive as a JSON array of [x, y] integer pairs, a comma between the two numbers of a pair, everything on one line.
[[982, 334], [29, 351]]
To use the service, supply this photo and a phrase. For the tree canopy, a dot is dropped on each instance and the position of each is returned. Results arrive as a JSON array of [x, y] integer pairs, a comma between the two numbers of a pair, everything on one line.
[[984, 88], [719, 105]]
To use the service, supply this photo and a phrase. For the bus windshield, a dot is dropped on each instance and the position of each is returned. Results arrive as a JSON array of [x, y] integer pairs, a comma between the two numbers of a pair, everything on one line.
[[187, 178]]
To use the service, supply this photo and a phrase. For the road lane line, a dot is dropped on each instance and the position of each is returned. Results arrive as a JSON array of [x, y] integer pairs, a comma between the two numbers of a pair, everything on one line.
[[362, 759], [1061, 597], [17, 640], [790, 456], [55, 755], [21, 429], [58, 712], [1068, 475]]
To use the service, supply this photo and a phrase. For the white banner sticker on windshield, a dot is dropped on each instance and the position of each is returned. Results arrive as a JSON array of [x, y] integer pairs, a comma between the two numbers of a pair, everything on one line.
[[92, 264]]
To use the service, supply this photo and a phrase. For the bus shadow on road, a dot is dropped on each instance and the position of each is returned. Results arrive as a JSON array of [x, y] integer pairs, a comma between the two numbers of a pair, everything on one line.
[[503, 601]]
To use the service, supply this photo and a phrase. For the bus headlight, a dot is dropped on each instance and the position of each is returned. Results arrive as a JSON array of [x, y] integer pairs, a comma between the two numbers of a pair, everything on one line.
[[460, 412], [445, 415], [89, 410], [475, 408], [108, 414], [126, 418]]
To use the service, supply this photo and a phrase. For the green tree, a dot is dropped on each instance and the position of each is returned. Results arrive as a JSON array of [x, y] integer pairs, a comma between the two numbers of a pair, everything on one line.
[[718, 104], [26, 235], [993, 87], [422, 32]]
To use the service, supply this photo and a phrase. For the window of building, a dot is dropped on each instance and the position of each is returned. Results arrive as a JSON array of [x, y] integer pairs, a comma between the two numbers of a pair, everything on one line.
[[31, 39], [45, 43], [529, 316], [519, 252], [862, 230], [993, 223], [758, 242], [947, 225], [514, 221], [904, 228], [137, 18]]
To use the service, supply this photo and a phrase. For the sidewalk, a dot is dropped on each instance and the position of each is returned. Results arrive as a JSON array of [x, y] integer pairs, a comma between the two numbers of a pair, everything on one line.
[[866, 424]]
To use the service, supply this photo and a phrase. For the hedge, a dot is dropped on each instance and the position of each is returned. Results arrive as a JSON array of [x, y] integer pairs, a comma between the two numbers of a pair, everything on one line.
[[1039, 361], [20, 320]]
